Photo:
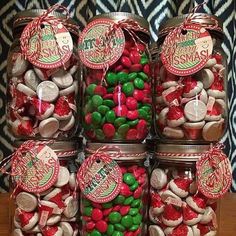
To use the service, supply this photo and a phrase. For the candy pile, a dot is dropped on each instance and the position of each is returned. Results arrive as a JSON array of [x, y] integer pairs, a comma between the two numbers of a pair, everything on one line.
[[118, 107], [42, 102], [52, 213], [192, 107], [176, 207], [122, 216]]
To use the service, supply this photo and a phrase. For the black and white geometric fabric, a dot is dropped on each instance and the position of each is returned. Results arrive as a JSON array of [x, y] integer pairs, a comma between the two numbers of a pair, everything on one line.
[[156, 12]]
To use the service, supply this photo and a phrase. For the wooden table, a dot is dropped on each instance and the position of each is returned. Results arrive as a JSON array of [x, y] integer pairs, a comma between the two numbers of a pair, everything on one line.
[[227, 222]]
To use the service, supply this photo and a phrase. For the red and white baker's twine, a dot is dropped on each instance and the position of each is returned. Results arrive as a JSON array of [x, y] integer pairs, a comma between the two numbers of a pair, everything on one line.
[[35, 30]]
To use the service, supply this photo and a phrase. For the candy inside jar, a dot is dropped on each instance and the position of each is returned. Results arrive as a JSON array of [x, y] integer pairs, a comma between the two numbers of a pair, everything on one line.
[[118, 96], [42, 91], [191, 100], [125, 213], [176, 205], [43, 204]]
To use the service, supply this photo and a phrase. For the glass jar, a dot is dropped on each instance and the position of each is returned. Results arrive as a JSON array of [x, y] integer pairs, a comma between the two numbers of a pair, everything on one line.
[[176, 207], [53, 211], [192, 108], [117, 104], [126, 214], [43, 93]]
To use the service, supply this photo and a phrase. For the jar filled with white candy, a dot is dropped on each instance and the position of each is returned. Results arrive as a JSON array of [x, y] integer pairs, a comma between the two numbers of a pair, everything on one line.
[[185, 185], [191, 80], [44, 189], [43, 78]]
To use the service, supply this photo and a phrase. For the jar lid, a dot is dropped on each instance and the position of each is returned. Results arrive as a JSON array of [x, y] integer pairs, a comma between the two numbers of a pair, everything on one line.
[[130, 151], [118, 16], [200, 18], [24, 17], [180, 153], [63, 148]]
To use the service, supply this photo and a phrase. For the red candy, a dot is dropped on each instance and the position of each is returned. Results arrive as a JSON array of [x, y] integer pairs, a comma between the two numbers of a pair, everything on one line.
[[97, 214], [100, 90], [101, 226], [109, 130], [134, 57], [125, 61], [121, 111], [132, 115], [90, 225], [125, 190], [138, 95], [131, 103], [119, 98], [124, 210], [136, 68], [132, 134]]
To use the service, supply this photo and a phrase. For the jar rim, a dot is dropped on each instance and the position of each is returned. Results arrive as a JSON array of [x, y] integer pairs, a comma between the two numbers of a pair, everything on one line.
[[118, 16], [134, 151], [199, 18]]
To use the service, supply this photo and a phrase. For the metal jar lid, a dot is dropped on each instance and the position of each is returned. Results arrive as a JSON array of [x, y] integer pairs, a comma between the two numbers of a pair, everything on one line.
[[127, 151], [23, 18], [62, 147], [205, 20], [180, 153], [118, 16]]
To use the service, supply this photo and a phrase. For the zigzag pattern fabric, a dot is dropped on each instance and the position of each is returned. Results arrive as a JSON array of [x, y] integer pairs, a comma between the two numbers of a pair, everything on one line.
[[155, 11]]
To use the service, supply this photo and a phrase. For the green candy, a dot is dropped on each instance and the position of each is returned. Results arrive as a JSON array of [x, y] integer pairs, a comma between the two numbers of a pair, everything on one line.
[[97, 100], [109, 103], [136, 203], [122, 77], [107, 205], [144, 61], [99, 134], [111, 78], [118, 136], [134, 186], [95, 233], [140, 104], [117, 233], [119, 121], [96, 118], [88, 107], [127, 221], [142, 114], [86, 203], [119, 199], [90, 89], [128, 201], [103, 109], [103, 120], [110, 116], [110, 229], [137, 220], [132, 76], [138, 83], [146, 108], [133, 211], [134, 227], [123, 129], [110, 90], [133, 122], [143, 76], [128, 88], [114, 217], [88, 211], [128, 178], [119, 227]]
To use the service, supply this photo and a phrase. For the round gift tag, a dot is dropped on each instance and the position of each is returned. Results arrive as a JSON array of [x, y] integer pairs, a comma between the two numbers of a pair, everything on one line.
[[35, 170], [100, 178], [186, 51], [96, 49], [214, 174], [53, 44]]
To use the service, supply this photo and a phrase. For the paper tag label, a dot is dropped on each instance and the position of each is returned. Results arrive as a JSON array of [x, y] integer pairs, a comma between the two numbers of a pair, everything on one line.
[[37, 170], [100, 178], [173, 201], [214, 174], [186, 53], [54, 45], [95, 49], [43, 218]]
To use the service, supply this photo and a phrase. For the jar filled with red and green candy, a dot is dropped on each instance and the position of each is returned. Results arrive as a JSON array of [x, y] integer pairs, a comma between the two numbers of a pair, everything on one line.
[[126, 213], [43, 81], [117, 102], [191, 80], [46, 200]]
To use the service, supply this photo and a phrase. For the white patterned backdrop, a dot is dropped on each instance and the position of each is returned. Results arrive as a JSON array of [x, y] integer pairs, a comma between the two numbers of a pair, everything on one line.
[[155, 11]]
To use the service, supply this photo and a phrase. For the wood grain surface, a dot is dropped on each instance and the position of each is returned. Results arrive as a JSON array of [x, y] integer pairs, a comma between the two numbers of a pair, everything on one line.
[[227, 215]]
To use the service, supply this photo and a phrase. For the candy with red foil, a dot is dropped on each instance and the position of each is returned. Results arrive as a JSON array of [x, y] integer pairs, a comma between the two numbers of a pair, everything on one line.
[[27, 219], [197, 203], [180, 186], [205, 230], [181, 230], [52, 231], [171, 216], [192, 87], [190, 217], [175, 116]]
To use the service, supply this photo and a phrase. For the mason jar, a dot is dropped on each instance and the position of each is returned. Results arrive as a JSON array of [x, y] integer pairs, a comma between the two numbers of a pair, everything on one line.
[[43, 80], [51, 208], [117, 102], [191, 80], [176, 205], [126, 213]]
